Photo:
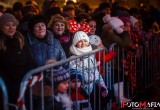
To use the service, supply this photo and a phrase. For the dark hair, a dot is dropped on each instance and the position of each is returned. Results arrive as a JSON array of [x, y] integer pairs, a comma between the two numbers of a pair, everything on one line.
[[70, 3], [104, 5], [17, 6], [81, 16], [68, 7], [85, 6]]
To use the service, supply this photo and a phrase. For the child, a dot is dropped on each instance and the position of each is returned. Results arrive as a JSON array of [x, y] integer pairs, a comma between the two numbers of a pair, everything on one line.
[[78, 94], [87, 65], [60, 100], [96, 43]]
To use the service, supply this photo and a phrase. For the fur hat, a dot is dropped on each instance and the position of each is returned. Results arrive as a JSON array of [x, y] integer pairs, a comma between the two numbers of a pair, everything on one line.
[[7, 17], [59, 75], [79, 35], [94, 40], [133, 20], [75, 74], [34, 20], [115, 22]]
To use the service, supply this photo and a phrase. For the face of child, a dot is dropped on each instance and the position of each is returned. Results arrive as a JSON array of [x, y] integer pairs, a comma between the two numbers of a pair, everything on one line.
[[82, 43], [74, 82], [63, 86]]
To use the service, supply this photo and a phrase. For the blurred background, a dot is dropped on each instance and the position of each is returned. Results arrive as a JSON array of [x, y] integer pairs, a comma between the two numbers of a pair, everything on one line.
[[93, 3]]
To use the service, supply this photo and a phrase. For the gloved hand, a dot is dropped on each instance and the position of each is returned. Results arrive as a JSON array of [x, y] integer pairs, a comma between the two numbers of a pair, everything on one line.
[[104, 91], [66, 101]]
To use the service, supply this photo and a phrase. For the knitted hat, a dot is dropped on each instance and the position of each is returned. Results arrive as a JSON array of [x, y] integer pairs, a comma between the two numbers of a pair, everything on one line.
[[75, 74], [94, 40], [79, 35], [106, 18], [7, 17], [59, 75], [115, 22], [34, 20], [133, 20]]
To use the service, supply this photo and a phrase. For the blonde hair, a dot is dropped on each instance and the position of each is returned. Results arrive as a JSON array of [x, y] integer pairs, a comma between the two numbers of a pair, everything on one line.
[[17, 35], [57, 18]]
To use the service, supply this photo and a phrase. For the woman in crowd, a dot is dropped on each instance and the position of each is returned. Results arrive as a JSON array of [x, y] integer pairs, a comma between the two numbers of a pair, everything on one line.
[[44, 48], [59, 26], [42, 43], [15, 58]]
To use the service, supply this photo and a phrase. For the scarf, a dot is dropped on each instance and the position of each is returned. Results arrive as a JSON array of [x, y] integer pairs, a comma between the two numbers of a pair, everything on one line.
[[78, 51]]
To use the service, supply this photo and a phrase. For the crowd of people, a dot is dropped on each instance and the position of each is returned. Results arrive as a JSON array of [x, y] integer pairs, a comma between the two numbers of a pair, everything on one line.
[[31, 37]]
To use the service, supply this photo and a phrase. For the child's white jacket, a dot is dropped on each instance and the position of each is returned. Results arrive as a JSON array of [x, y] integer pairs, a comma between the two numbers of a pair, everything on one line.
[[89, 71]]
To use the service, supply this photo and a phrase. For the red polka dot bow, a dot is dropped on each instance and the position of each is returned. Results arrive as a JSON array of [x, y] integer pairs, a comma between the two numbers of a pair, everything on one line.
[[73, 26]]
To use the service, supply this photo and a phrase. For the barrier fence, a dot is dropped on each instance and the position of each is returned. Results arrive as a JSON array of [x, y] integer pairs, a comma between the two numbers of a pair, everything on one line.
[[128, 72]]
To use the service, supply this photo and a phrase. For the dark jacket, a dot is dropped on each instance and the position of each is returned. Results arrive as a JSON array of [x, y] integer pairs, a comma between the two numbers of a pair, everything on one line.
[[122, 40], [14, 63]]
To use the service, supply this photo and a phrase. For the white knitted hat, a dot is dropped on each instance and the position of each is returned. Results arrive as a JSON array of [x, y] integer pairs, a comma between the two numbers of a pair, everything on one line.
[[133, 20], [79, 35], [94, 40], [115, 22]]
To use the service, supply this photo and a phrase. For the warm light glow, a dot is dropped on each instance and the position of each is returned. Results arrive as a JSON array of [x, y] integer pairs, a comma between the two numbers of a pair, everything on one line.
[[75, 1]]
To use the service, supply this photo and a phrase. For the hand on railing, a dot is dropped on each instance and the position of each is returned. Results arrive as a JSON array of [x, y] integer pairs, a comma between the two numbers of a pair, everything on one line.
[[104, 91], [112, 46], [98, 63]]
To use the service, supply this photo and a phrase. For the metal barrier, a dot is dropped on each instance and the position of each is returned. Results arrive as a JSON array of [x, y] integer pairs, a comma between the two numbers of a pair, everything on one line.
[[4, 94], [38, 75], [5, 98], [137, 70], [145, 68]]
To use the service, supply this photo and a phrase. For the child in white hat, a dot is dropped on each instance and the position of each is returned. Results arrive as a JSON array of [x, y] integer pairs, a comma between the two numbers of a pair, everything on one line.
[[96, 43], [87, 65]]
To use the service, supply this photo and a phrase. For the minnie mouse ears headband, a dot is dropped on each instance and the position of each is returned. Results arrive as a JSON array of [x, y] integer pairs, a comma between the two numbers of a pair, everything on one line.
[[73, 27]]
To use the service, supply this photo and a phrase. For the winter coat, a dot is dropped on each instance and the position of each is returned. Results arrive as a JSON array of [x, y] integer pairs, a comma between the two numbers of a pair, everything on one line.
[[57, 102], [89, 71], [14, 63], [81, 94], [104, 58], [45, 49], [122, 40]]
